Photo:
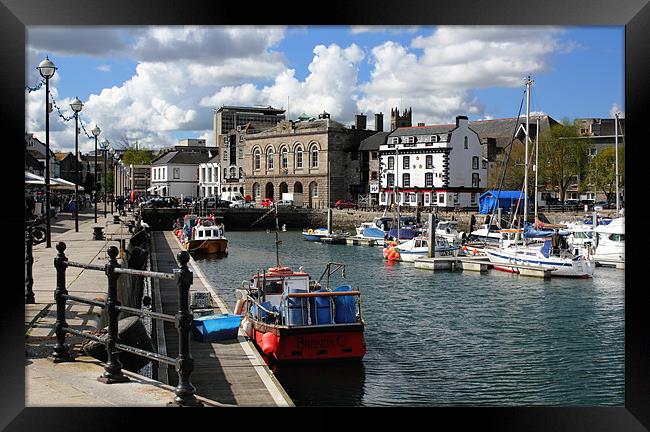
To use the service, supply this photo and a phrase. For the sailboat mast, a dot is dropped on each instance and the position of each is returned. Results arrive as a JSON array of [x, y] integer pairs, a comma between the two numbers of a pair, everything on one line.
[[528, 85], [536, 162], [396, 180], [616, 147], [277, 240]]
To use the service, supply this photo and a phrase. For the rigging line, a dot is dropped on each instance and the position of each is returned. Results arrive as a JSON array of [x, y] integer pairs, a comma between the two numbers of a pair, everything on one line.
[[505, 165]]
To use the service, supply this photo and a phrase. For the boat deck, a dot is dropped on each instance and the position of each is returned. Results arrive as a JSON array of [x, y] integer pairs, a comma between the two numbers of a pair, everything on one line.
[[230, 372]]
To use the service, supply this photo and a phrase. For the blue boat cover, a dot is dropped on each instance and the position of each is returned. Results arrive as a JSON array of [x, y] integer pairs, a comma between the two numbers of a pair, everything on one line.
[[507, 200]]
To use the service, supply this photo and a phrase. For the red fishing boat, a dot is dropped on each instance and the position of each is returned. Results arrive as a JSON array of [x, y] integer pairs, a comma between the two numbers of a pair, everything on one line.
[[291, 317]]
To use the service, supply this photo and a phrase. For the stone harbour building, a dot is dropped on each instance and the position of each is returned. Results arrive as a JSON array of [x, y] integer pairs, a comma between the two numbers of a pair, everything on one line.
[[317, 160]]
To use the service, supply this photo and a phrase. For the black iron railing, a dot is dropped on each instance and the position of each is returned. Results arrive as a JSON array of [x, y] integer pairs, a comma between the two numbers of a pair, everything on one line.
[[183, 363]]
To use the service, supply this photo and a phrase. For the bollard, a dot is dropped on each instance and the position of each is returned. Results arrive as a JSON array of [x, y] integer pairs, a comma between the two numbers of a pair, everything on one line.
[[61, 350], [184, 363], [113, 367], [29, 262], [98, 233]]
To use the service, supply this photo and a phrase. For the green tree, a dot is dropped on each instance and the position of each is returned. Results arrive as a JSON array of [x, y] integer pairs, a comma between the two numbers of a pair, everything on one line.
[[133, 156], [563, 157], [601, 174]]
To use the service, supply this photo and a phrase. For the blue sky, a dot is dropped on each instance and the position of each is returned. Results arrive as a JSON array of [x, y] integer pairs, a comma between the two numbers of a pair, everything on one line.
[[161, 84]]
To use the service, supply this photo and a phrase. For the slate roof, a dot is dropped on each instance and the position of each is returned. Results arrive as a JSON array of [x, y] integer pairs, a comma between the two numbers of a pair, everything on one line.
[[182, 157], [373, 142], [500, 129]]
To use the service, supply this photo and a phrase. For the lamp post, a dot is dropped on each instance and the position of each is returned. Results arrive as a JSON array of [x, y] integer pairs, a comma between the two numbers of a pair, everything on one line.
[[76, 106], [96, 133], [47, 69], [104, 146], [112, 152]]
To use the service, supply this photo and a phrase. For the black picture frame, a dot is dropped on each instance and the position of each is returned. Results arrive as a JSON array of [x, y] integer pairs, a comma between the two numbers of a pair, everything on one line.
[[16, 15]]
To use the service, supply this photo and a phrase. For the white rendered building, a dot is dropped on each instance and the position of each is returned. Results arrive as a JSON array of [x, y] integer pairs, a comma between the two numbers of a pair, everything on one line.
[[210, 178], [427, 166]]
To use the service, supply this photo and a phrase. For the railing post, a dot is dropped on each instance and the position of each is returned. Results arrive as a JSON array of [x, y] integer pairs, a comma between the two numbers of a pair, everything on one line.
[[113, 373], [184, 363], [61, 350], [29, 262]]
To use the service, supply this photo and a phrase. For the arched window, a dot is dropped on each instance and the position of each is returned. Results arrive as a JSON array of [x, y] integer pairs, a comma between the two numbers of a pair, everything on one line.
[[233, 172], [256, 190], [241, 172], [314, 156], [284, 158], [406, 180], [406, 162], [269, 158], [391, 162], [257, 157], [298, 157]]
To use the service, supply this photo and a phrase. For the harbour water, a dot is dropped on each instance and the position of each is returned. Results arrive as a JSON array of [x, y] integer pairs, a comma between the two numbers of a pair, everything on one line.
[[451, 338]]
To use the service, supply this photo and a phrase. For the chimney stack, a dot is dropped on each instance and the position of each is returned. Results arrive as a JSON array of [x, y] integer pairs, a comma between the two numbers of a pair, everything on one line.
[[379, 122], [360, 121]]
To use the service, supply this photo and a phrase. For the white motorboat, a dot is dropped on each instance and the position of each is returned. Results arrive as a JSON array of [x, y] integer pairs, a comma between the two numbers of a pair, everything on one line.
[[513, 252], [418, 247], [610, 243]]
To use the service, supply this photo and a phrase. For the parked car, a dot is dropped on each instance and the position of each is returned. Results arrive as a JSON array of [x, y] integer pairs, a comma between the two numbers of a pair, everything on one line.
[[213, 203], [341, 204], [161, 202], [241, 204], [267, 202], [285, 203]]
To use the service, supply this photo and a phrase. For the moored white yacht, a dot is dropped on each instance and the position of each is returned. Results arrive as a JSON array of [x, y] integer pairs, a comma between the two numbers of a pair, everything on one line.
[[610, 243]]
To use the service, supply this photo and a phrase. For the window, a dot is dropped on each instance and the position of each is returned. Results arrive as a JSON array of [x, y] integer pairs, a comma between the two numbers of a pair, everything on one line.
[[475, 162], [256, 190], [428, 179], [373, 175], [394, 140], [441, 198], [456, 196], [298, 157], [177, 173], [407, 198], [406, 180], [257, 158], [390, 180], [269, 158], [241, 153], [473, 197], [225, 154], [233, 172], [314, 157], [410, 140], [475, 180], [406, 162], [465, 144], [429, 163], [373, 155], [284, 157], [484, 165], [391, 162], [203, 179], [314, 189]]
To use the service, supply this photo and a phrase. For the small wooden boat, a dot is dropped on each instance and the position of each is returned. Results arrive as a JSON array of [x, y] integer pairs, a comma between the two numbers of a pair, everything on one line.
[[203, 235]]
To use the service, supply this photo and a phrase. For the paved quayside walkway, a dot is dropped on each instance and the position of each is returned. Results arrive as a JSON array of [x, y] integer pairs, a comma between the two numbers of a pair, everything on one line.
[[230, 372], [75, 383]]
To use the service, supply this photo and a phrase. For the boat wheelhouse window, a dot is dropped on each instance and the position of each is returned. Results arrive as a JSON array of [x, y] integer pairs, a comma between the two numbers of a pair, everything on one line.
[[617, 237], [273, 287]]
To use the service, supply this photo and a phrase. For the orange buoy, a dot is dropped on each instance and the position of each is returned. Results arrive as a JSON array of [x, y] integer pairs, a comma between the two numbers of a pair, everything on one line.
[[269, 342]]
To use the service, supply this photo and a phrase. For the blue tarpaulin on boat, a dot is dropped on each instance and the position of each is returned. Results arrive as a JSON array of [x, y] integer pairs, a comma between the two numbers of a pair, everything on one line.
[[507, 201]]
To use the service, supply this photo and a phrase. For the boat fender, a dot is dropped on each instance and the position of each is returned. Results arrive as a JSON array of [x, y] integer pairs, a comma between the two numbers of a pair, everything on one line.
[[239, 306], [310, 231], [247, 326], [269, 343]]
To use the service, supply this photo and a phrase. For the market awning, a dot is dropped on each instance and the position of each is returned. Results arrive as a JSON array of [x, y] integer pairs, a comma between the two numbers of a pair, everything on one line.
[[59, 183], [31, 178], [152, 188]]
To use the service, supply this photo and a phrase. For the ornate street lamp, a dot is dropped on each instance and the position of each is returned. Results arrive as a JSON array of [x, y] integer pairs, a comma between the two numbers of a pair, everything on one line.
[[96, 131], [76, 106], [112, 152], [47, 69], [104, 145]]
